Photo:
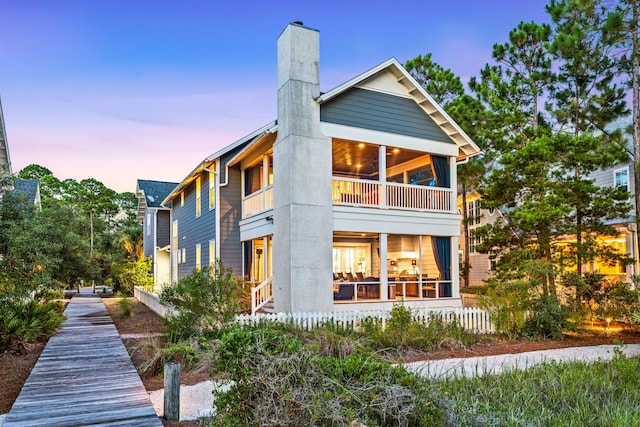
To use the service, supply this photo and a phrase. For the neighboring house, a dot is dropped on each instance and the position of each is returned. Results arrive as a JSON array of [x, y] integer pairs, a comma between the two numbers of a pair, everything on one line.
[[30, 190], [5, 160], [346, 202], [482, 264], [156, 224], [624, 242]]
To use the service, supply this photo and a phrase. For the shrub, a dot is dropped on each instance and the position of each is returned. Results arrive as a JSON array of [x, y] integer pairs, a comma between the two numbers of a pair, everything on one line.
[[203, 297], [508, 303], [128, 274], [22, 323], [277, 381], [124, 307], [548, 319]]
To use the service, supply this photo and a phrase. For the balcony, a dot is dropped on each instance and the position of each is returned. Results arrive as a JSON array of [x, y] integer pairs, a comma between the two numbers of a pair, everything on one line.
[[367, 193], [255, 203]]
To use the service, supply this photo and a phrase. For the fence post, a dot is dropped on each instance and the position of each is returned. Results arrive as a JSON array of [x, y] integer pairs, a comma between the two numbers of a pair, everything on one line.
[[172, 391]]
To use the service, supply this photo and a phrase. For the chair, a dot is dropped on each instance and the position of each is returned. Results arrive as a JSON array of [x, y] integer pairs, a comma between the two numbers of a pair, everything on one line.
[[360, 276], [350, 278]]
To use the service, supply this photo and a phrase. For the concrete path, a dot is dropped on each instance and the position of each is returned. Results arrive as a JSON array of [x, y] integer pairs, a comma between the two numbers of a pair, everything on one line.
[[84, 376], [490, 365]]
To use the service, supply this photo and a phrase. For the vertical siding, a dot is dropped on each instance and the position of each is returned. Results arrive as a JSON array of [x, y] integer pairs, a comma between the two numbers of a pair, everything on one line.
[[230, 214], [382, 112]]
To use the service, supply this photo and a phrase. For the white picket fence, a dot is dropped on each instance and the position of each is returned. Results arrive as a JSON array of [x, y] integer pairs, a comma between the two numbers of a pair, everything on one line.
[[471, 319]]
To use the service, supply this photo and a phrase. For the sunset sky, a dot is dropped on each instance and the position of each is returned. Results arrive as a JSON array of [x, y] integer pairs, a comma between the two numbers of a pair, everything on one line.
[[120, 90]]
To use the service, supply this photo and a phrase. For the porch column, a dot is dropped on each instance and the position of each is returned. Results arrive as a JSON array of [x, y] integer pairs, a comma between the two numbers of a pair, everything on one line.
[[265, 263], [265, 182], [384, 267], [454, 187], [382, 155], [455, 268]]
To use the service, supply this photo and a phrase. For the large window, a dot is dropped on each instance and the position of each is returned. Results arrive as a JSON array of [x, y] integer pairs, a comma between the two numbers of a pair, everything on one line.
[[198, 256], [348, 258], [212, 254]]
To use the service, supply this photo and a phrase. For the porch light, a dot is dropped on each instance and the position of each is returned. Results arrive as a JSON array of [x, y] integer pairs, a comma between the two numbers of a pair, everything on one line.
[[361, 145], [396, 150]]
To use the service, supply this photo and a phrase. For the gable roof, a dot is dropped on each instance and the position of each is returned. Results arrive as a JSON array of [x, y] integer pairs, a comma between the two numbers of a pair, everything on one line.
[[466, 147], [29, 189], [210, 159], [5, 160], [151, 194]]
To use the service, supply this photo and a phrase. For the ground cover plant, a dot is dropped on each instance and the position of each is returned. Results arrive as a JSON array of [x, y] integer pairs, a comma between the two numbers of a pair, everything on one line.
[[553, 394]]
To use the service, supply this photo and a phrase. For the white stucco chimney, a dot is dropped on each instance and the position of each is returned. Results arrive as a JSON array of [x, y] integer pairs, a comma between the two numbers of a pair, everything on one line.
[[302, 220]]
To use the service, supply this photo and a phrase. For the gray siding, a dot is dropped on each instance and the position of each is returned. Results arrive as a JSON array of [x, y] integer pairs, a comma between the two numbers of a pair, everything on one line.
[[191, 229], [230, 215], [381, 112], [605, 178]]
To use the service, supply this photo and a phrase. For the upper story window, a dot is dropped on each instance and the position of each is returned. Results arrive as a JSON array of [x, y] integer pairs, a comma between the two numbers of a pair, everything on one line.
[[181, 198], [148, 224], [198, 197], [212, 190], [621, 178], [174, 236], [198, 256], [473, 212]]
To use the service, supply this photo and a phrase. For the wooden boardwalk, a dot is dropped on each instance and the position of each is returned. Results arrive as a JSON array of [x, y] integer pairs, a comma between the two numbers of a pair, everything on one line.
[[84, 377]]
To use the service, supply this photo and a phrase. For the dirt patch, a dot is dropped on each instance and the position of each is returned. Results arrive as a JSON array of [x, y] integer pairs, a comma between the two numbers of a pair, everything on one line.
[[15, 371]]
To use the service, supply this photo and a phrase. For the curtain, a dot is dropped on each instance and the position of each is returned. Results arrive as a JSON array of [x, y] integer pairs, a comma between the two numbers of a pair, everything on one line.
[[442, 253], [440, 167]]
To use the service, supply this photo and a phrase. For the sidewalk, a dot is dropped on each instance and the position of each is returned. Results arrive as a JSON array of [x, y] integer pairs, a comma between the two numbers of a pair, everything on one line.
[[491, 365], [84, 376]]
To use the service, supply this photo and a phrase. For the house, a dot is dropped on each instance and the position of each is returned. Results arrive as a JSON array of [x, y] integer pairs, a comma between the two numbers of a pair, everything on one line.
[[624, 242], [346, 202], [156, 224], [5, 160], [482, 265]]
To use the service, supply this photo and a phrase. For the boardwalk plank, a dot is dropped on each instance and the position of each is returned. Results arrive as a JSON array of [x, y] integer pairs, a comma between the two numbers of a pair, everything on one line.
[[84, 377]]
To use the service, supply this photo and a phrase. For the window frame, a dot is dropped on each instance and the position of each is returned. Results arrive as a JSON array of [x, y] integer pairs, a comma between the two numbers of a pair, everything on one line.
[[624, 169]]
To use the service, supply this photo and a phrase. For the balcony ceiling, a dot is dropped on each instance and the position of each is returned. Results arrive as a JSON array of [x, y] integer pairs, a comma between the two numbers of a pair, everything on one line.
[[358, 159]]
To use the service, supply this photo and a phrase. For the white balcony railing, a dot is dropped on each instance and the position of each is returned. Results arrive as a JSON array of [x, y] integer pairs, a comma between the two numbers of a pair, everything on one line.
[[257, 202], [359, 192]]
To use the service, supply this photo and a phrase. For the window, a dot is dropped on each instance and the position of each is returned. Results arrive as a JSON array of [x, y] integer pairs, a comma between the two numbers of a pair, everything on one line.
[[212, 254], [198, 197], [148, 224], [474, 242], [473, 212], [184, 255], [212, 190], [182, 198], [198, 256], [621, 178], [174, 245]]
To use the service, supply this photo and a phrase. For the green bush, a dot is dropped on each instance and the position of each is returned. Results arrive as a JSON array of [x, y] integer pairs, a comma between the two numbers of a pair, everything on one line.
[[22, 323], [507, 302], [124, 307], [276, 380], [403, 332], [128, 274], [203, 298], [548, 319]]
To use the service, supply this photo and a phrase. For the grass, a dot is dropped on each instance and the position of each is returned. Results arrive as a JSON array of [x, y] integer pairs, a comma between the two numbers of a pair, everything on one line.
[[553, 394]]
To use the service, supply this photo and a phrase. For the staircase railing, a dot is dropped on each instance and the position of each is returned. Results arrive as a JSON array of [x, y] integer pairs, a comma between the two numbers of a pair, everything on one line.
[[261, 295]]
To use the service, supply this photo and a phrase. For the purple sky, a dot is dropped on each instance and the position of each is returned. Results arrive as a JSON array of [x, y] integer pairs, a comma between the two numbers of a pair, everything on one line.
[[120, 90]]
